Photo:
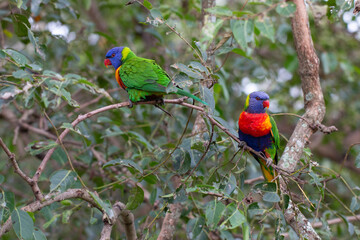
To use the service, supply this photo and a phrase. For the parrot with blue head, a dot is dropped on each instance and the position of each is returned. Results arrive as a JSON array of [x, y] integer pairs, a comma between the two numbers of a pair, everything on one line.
[[142, 78], [260, 132]]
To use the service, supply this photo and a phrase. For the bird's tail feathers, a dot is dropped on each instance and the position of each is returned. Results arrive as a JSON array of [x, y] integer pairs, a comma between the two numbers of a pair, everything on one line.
[[187, 94]]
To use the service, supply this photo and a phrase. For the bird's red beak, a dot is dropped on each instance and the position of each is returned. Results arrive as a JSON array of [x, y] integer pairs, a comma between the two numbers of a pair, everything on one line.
[[107, 62], [266, 104]]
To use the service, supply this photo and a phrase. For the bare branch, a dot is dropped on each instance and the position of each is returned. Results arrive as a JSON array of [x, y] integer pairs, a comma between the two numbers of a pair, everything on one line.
[[172, 215], [331, 222], [126, 217], [169, 223], [314, 112], [33, 184], [357, 7]]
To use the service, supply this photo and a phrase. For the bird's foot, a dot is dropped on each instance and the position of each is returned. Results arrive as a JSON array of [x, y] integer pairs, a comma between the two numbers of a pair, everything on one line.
[[159, 101], [131, 104], [269, 161], [241, 144]]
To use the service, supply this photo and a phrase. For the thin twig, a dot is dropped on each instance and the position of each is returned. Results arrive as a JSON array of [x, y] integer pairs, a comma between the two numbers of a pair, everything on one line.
[[33, 184], [202, 157], [347, 155]]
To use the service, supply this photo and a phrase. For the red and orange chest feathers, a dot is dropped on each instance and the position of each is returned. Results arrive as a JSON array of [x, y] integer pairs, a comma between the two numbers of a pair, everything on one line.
[[254, 124], [118, 79]]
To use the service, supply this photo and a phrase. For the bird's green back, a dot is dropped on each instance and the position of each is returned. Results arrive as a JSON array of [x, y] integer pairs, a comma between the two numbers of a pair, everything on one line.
[[144, 74]]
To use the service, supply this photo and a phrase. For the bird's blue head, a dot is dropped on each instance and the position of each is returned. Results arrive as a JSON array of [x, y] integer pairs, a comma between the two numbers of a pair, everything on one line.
[[116, 56], [257, 102]]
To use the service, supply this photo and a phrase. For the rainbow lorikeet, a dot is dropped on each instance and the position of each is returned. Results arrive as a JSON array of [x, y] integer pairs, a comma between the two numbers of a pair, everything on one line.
[[260, 132], [142, 78]]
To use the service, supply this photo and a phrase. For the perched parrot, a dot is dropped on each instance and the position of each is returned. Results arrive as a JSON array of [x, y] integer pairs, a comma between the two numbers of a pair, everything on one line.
[[142, 78], [260, 132]]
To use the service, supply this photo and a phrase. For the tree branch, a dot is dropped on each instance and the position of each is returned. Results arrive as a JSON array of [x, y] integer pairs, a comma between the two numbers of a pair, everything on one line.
[[172, 215], [179, 101], [33, 184], [119, 210], [126, 217], [314, 112]]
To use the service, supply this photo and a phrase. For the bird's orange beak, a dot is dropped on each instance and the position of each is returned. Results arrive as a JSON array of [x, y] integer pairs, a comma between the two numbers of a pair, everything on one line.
[[266, 104], [107, 62]]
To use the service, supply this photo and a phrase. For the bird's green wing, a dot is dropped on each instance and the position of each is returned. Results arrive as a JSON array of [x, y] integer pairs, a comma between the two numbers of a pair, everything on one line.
[[273, 151], [275, 132], [144, 74]]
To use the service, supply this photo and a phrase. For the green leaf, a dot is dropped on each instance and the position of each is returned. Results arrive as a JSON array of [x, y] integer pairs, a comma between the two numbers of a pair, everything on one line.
[[354, 206], [243, 31], [271, 197], [266, 187], [240, 52], [102, 205], [23, 224], [214, 211], [197, 46], [194, 228], [208, 97], [52, 219], [19, 3], [153, 196], [38, 234], [245, 231], [286, 200], [156, 14], [220, 11], [21, 74], [9, 201], [122, 162], [307, 152], [188, 71], [182, 80], [147, 4], [254, 209], [136, 198], [8, 94], [266, 28], [286, 9], [199, 67], [37, 147], [357, 161], [34, 40], [140, 139], [18, 57], [21, 24], [315, 178], [234, 217], [152, 179], [62, 179], [66, 216]]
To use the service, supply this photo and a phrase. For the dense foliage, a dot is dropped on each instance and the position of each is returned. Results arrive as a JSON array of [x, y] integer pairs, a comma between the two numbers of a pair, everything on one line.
[[52, 72]]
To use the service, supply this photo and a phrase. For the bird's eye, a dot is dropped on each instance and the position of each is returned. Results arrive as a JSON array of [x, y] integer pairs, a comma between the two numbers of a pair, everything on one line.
[[113, 55], [257, 98]]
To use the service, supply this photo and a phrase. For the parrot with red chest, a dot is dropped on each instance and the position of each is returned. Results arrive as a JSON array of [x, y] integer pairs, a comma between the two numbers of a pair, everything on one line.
[[260, 132]]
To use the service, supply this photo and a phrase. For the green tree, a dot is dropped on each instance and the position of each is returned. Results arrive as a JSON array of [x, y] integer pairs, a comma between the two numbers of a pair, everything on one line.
[[77, 162]]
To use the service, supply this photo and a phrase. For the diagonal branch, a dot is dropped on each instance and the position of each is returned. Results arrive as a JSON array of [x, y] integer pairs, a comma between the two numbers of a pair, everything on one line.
[[33, 184]]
